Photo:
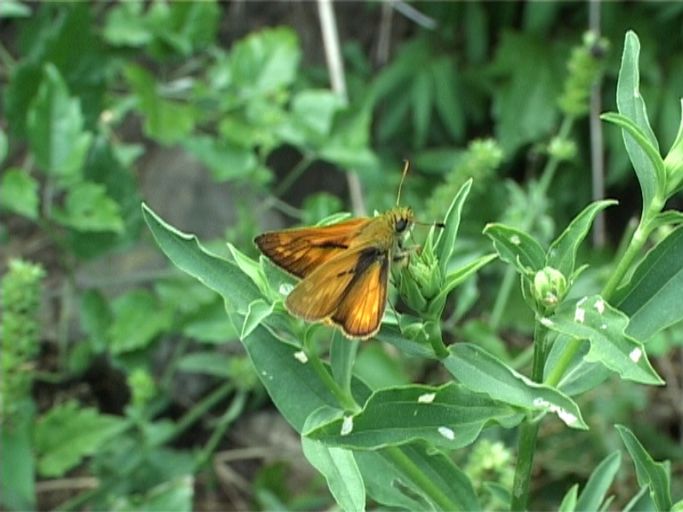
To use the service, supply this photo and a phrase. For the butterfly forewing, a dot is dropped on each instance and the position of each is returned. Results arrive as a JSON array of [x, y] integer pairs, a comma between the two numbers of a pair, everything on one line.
[[301, 251]]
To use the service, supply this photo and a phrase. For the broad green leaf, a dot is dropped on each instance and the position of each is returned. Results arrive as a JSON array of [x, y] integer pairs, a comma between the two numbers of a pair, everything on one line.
[[126, 25], [655, 475], [96, 317], [593, 494], [580, 375], [211, 325], [392, 335], [569, 501], [19, 193], [516, 248], [445, 242], [164, 120], [67, 433], [641, 502], [342, 357], [562, 252], [55, 129], [188, 255], [294, 386], [252, 269], [631, 104], [266, 61], [312, 114], [648, 151], [653, 296], [191, 26], [17, 464], [593, 319], [137, 320], [339, 468], [257, 312], [88, 208], [413, 478], [447, 417], [225, 161], [481, 372], [175, 495]]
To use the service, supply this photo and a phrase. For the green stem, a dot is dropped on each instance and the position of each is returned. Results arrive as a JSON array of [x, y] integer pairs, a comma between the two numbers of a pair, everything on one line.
[[563, 363], [293, 175], [637, 241], [433, 328], [230, 415], [344, 398], [199, 410], [528, 431], [415, 474]]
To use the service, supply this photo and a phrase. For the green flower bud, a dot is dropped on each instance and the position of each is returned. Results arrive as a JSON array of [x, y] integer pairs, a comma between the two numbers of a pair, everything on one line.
[[549, 288], [562, 149], [420, 282]]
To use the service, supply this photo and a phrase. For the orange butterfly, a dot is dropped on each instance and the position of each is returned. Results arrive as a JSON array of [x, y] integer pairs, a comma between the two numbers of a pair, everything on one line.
[[344, 268]]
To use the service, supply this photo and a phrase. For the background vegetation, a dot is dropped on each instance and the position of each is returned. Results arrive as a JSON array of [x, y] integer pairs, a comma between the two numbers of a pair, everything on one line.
[[124, 383]]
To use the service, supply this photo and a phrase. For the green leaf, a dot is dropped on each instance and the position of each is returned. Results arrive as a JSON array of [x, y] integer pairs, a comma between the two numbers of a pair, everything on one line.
[[447, 417], [251, 268], [422, 92], [652, 297], [137, 321], [96, 317], [631, 104], [569, 501], [339, 468], [655, 475], [266, 61], [88, 208], [3, 146], [446, 95], [67, 433], [593, 494], [516, 248], [413, 477], [562, 252], [457, 277], [641, 502], [55, 129], [126, 25], [648, 152], [17, 464], [445, 242], [206, 363], [257, 312], [175, 495], [19, 193], [593, 319], [226, 161], [483, 373], [164, 120], [393, 336], [14, 9], [188, 255]]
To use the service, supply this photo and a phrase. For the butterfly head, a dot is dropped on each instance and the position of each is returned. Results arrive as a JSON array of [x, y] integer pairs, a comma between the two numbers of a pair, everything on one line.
[[402, 219]]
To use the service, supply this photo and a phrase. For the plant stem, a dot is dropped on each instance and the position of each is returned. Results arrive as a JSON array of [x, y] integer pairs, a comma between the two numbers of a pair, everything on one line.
[[637, 241], [402, 461], [199, 410], [528, 431], [344, 398], [565, 360], [230, 415], [435, 337]]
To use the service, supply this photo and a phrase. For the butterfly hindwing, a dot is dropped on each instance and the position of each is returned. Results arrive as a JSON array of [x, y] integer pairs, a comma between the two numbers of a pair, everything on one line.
[[301, 251]]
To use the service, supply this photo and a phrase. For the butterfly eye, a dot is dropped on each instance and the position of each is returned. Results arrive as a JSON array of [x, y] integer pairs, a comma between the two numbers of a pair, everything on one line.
[[401, 225]]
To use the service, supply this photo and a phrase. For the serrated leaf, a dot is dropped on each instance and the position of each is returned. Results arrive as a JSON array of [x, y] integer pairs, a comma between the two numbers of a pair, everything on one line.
[[338, 466], [445, 242], [593, 319], [89, 208], [516, 248], [55, 129], [655, 475], [562, 252], [630, 103], [483, 373], [652, 297], [189, 256], [19, 193], [447, 417], [593, 494], [67, 433]]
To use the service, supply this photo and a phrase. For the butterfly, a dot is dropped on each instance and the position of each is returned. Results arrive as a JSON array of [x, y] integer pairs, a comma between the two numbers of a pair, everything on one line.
[[344, 267]]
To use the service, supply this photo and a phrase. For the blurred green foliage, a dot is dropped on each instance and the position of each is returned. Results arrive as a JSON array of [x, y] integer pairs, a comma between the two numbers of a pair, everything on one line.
[[496, 92]]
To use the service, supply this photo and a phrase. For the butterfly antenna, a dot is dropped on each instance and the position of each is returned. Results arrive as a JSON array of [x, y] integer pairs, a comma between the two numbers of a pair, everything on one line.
[[406, 166]]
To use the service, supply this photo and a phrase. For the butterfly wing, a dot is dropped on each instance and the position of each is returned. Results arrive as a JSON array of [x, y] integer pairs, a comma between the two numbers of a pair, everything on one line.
[[349, 290], [300, 251]]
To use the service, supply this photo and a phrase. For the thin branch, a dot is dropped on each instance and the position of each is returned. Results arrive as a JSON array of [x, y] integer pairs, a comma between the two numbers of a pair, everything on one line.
[[335, 66], [597, 155]]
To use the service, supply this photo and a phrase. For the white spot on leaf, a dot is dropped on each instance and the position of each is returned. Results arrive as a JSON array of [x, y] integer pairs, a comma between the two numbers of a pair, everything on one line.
[[301, 356], [635, 354], [515, 240], [568, 418], [579, 314], [547, 322], [426, 398], [600, 306], [285, 288], [582, 302], [347, 426], [447, 433]]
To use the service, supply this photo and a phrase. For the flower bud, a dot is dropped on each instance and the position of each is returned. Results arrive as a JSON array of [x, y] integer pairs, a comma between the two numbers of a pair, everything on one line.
[[549, 288]]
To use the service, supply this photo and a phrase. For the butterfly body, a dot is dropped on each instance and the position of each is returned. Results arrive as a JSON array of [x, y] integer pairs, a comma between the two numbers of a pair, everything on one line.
[[343, 267]]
